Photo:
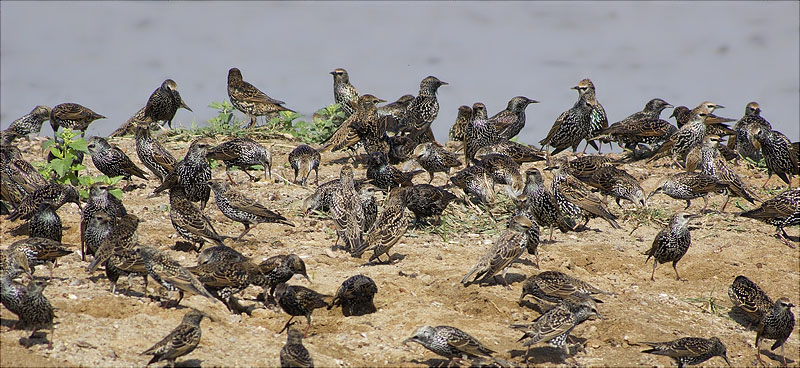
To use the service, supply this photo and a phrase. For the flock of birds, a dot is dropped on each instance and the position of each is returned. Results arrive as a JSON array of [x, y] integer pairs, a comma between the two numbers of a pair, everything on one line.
[[392, 134]]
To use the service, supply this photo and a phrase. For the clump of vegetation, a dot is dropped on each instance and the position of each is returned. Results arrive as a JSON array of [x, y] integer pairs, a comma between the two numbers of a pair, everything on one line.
[[322, 125]]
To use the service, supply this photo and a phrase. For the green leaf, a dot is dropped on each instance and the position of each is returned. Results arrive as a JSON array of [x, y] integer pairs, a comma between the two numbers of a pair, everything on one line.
[[78, 167], [56, 152], [47, 144], [116, 192], [114, 180], [60, 166], [80, 145], [86, 181], [84, 193]]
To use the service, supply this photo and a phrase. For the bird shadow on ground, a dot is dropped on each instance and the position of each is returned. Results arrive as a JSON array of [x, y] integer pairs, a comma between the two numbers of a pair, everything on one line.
[[394, 258], [511, 278], [740, 317], [776, 357], [10, 323], [183, 246], [189, 363], [39, 338], [540, 355], [526, 262], [533, 306]]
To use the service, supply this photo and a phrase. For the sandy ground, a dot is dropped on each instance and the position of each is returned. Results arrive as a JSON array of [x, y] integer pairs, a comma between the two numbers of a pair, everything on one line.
[[96, 328]]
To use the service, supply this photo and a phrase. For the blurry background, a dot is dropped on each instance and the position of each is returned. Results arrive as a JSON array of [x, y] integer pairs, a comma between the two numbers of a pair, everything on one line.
[[111, 56]]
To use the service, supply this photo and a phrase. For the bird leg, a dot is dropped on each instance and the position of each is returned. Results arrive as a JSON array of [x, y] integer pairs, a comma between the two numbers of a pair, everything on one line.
[[246, 230], [252, 122], [652, 274], [705, 204], [430, 173], [727, 198], [229, 175], [758, 351], [286, 326], [253, 178], [677, 277], [782, 235], [765, 183], [308, 317]]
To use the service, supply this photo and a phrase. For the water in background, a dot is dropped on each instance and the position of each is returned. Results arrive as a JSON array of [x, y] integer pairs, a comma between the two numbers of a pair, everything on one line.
[[111, 56]]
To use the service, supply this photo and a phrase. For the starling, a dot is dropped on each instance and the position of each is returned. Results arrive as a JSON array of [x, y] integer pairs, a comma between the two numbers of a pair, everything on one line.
[[782, 210], [584, 120], [583, 167], [242, 153], [688, 186], [689, 350], [40, 251], [170, 274], [532, 245], [426, 200], [747, 296], [422, 111], [475, 181], [279, 269], [189, 221], [389, 227], [129, 125], [551, 287], [386, 176], [220, 253], [556, 324], [644, 126], [576, 200], [503, 170], [344, 93], [125, 262], [479, 132], [151, 153], [36, 312], [435, 158], [345, 135], [99, 200], [11, 293], [671, 243], [695, 154], [45, 223], [320, 200], [366, 194], [19, 177], [250, 100], [240, 208], [346, 211], [13, 263], [355, 296], [396, 109], [687, 136], [299, 301], [164, 102], [31, 122], [55, 193], [502, 254], [713, 165], [73, 116], [193, 173], [778, 155], [112, 161], [449, 342], [777, 325], [294, 354], [123, 235], [517, 151], [510, 121], [715, 123], [225, 279], [303, 159], [543, 205], [617, 183], [743, 140], [181, 341], [460, 125]]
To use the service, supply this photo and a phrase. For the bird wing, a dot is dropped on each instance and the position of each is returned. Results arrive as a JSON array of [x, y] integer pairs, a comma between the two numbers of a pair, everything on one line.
[[249, 92], [163, 158], [126, 163], [466, 344], [551, 324], [556, 126]]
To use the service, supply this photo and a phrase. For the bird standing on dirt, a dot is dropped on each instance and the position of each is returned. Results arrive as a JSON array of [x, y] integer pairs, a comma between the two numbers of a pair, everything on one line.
[[584, 120], [549, 288], [189, 221], [240, 208], [55, 193], [713, 165], [475, 181], [671, 243], [422, 111], [192, 173], [100, 199], [40, 251], [355, 296], [555, 325], [780, 157], [224, 279], [242, 153], [151, 153], [73, 116], [294, 354], [36, 312], [112, 161], [250, 100], [743, 141], [389, 227], [45, 223], [502, 254], [509, 122], [543, 205], [777, 324], [303, 159], [170, 274], [644, 126], [479, 132], [164, 102], [519, 152], [747, 296], [181, 341], [386, 176], [459, 127], [576, 200], [426, 200], [346, 211], [279, 269], [782, 210], [449, 342], [299, 301], [435, 158], [689, 350], [688, 186]]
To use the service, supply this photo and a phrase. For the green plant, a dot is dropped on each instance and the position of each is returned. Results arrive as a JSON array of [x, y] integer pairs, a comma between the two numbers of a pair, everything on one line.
[[88, 181], [322, 125]]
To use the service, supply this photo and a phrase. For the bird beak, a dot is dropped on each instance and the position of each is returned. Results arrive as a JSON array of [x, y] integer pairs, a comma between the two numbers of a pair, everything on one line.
[[668, 106], [694, 215], [185, 106], [725, 356], [381, 100], [443, 83], [576, 88], [653, 193], [406, 341], [307, 278], [599, 316], [533, 101], [720, 107], [549, 168]]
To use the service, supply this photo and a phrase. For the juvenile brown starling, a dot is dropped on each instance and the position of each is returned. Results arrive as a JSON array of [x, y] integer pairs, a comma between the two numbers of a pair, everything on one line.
[[479, 132], [181, 341], [303, 159], [777, 325], [505, 250], [532, 245], [36, 312], [782, 210], [778, 154], [19, 177], [543, 205], [355, 296], [55, 193], [31, 122], [671, 243], [344, 93], [170, 274], [713, 165], [189, 221], [421, 112], [584, 120], [40, 251], [576, 200], [460, 125], [644, 126], [164, 102], [320, 200], [549, 288], [220, 253], [45, 223], [151, 153], [510, 121], [517, 151], [242, 153], [435, 158], [695, 154], [688, 186], [503, 170], [240, 208], [125, 262], [389, 228], [299, 301], [743, 140], [618, 184], [250, 100], [689, 350], [475, 181], [279, 269], [99, 200], [449, 342], [193, 173], [73, 116], [13, 263], [112, 161], [556, 324], [346, 211], [346, 136], [294, 354], [386, 176], [123, 235], [747, 296], [225, 279], [426, 200]]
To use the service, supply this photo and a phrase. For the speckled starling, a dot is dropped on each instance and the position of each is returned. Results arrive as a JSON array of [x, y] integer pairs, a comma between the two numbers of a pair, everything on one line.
[[549, 288], [299, 301], [36, 312], [509, 122], [503, 170], [389, 228], [355, 296], [695, 154], [348, 135], [344, 93], [644, 126], [743, 140], [396, 109], [242, 153], [294, 354], [112, 161], [688, 186], [240, 208], [499, 257], [13, 263], [18, 175], [687, 136], [584, 120], [576, 201], [40, 251], [55, 193], [671, 243], [713, 165], [170, 274], [303, 159], [99, 200], [73, 116], [618, 184], [366, 194], [517, 151], [193, 173], [715, 124], [45, 223], [225, 279], [125, 262], [189, 221], [95, 231], [151, 153], [220, 253], [747, 296], [543, 205], [421, 112], [11, 293], [459, 127], [479, 132], [249, 99], [123, 235], [435, 158], [164, 102], [449, 342], [782, 210], [532, 245], [689, 350], [129, 125], [31, 122], [346, 211], [386, 176], [777, 325], [181, 341], [475, 181], [320, 200], [778, 154], [426, 200], [279, 269], [556, 324]]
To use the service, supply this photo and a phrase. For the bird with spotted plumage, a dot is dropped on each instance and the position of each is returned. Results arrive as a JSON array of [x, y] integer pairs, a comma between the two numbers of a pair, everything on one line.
[[344, 93], [449, 342], [782, 210], [355, 296], [435, 158], [297, 301], [389, 227], [294, 354], [476, 182], [164, 102], [72, 116], [424, 109], [112, 161], [151, 153], [463, 117], [509, 122], [689, 350], [743, 141], [30, 122], [248, 99], [519, 152], [238, 207], [242, 152], [303, 159], [276, 270], [170, 274], [671, 243], [777, 324], [687, 186], [181, 341], [549, 288], [644, 126], [426, 200], [747, 296], [192, 173], [499, 257], [780, 157]]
